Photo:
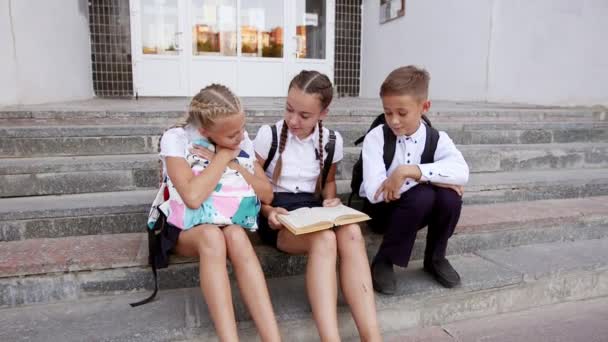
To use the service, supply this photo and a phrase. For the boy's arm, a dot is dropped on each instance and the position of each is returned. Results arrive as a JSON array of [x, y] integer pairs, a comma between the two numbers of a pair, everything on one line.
[[449, 166], [374, 172]]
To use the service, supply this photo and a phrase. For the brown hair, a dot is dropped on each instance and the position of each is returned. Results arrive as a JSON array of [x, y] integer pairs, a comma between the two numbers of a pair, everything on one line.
[[407, 80], [210, 103], [314, 83]]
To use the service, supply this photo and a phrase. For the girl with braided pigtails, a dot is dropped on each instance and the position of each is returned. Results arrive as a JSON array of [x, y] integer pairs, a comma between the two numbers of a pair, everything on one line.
[[303, 176], [215, 186]]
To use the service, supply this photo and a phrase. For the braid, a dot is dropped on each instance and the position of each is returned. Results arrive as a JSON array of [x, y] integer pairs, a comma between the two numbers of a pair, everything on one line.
[[279, 165], [210, 103], [319, 187]]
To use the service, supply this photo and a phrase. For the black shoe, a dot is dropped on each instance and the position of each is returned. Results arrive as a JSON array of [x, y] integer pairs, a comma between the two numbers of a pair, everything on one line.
[[383, 277], [443, 272]]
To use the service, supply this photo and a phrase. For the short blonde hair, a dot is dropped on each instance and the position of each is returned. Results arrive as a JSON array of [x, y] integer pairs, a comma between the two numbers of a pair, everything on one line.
[[407, 80]]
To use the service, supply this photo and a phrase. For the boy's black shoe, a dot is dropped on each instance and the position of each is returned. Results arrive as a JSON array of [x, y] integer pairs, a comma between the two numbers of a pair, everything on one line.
[[383, 277], [443, 272]]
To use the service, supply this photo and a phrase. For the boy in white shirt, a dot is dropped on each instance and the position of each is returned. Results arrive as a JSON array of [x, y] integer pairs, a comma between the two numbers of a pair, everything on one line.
[[417, 194]]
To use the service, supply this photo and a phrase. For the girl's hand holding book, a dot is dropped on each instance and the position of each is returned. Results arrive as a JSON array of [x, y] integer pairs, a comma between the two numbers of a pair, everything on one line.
[[331, 202], [273, 222]]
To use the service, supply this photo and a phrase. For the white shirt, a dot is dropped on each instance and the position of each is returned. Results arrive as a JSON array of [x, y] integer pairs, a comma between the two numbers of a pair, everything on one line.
[[449, 166], [300, 164], [175, 142]]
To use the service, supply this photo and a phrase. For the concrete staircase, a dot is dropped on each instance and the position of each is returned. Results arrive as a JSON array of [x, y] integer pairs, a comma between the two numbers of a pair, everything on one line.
[[77, 180]]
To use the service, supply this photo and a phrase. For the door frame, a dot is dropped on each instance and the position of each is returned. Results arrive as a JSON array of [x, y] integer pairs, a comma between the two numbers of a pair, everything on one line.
[[290, 64]]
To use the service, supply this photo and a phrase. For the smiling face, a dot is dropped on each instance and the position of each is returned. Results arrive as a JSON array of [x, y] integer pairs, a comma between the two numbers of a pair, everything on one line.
[[403, 113], [228, 131], [302, 112]]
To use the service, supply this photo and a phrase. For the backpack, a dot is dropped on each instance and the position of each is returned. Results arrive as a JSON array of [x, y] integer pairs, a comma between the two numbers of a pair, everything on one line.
[[155, 226], [378, 212], [330, 148]]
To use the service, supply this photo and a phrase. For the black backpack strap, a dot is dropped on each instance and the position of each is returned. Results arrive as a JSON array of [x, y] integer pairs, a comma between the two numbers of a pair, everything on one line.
[[154, 248], [273, 147], [379, 120], [432, 138], [330, 149], [390, 144], [154, 273]]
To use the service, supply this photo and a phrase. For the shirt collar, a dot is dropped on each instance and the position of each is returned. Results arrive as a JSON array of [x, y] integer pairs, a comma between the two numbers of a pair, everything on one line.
[[312, 137], [418, 134]]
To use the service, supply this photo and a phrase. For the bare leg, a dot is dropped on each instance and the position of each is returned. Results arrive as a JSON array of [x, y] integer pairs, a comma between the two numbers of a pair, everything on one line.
[[207, 242], [252, 284], [321, 282], [356, 281]]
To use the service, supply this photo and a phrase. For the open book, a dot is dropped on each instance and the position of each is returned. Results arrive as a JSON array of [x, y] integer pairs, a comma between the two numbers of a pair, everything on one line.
[[308, 220]]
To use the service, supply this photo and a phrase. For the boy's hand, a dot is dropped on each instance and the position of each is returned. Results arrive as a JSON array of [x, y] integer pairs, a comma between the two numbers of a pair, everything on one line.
[[391, 186], [331, 202], [273, 222], [459, 189]]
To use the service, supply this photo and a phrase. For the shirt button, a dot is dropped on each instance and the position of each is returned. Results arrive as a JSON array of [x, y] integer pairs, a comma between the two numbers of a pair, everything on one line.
[[407, 183], [408, 154], [408, 161], [431, 173]]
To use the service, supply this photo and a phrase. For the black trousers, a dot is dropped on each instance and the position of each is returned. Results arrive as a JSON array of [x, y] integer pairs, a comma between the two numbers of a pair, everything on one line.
[[423, 205]]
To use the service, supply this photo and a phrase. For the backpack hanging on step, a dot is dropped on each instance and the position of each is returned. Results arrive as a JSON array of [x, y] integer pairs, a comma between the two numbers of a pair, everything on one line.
[[155, 226], [379, 212]]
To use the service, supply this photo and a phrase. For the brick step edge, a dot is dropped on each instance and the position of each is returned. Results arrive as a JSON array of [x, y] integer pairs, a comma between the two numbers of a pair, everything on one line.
[[495, 281]]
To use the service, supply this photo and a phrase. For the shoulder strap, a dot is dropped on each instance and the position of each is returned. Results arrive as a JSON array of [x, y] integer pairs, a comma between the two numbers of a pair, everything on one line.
[[390, 144], [379, 120], [273, 147], [432, 137], [330, 148]]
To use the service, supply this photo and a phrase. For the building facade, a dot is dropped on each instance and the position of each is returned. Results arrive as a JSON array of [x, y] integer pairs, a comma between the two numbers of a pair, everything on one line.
[[549, 52]]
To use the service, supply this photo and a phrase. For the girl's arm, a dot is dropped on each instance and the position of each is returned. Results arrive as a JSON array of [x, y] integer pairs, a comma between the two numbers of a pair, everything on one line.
[[329, 192], [194, 190], [257, 180]]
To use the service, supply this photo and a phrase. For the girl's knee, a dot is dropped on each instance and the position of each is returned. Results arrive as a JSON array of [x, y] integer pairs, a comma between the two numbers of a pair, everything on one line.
[[324, 241], [350, 232], [210, 242], [236, 238]]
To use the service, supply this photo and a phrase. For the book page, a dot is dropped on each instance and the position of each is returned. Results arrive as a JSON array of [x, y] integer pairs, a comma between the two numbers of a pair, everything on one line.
[[331, 214], [306, 217]]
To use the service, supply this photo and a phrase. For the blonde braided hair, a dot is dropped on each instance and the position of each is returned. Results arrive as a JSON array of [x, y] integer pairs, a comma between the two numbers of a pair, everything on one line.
[[209, 104]]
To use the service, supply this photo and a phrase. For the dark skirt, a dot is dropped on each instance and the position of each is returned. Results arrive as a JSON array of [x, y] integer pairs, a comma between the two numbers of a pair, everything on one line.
[[288, 201], [167, 240]]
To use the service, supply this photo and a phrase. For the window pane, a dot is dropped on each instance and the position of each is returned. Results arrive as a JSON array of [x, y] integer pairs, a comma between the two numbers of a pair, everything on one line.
[[159, 27], [214, 27], [311, 21], [262, 28]]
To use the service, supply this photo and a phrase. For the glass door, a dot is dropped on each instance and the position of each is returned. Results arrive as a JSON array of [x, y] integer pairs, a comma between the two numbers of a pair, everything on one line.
[[312, 27], [254, 47], [159, 67]]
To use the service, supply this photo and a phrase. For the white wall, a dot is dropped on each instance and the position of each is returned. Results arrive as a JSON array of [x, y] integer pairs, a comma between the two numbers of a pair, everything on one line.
[[47, 51], [551, 52]]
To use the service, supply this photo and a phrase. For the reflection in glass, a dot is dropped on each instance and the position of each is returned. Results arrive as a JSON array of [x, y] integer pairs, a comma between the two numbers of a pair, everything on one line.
[[262, 28], [311, 21], [159, 27], [214, 27]]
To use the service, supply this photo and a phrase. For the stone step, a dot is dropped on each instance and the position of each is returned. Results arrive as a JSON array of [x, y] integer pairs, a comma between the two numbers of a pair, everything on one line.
[[69, 175], [347, 106], [100, 139], [55, 269], [126, 211], [493, 281]]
